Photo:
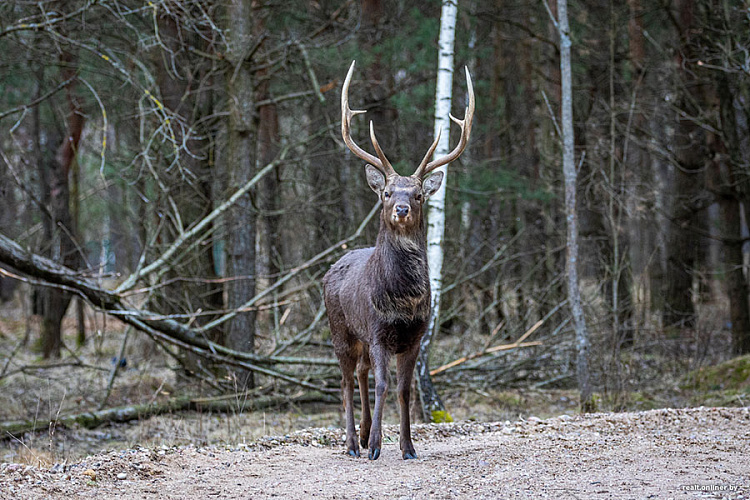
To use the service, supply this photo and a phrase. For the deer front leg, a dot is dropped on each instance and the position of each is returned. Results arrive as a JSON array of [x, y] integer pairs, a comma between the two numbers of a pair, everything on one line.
[[405, 370], [379, 359], [363, 369], [347, 392]]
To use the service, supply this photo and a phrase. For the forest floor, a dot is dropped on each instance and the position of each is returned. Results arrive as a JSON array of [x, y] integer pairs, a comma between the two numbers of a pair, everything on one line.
[[685, 453], [509, 441]]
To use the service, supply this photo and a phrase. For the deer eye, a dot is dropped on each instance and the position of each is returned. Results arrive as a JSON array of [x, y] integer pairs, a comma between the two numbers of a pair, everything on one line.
[[386, 195], [418, 197]]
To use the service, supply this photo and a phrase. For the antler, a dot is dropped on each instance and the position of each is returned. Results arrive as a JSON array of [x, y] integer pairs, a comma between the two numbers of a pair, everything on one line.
[[465, 124], [380, 162]]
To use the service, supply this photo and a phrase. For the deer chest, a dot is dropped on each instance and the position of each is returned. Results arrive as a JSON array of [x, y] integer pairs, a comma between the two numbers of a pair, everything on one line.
[[400, 336]]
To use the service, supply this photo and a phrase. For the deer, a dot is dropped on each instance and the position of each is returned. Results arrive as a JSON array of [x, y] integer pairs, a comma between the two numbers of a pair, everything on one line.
[[378, 298]]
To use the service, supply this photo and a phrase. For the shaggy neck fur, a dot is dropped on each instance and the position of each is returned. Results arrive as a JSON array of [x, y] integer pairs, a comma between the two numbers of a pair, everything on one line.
[[399, 274]]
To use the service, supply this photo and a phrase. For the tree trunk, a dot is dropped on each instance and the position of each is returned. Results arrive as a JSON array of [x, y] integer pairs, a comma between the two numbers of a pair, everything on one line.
[[241, 167], [571, 215], [642, 232], [433, 408], [269, 240], [62, 246], [684, 247], [736, 284], [377, 87], [727, 145], [75, 196]]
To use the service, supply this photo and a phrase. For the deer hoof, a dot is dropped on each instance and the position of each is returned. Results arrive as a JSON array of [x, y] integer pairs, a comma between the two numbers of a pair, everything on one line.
[[410, 455], [353, 453], [374, 454]]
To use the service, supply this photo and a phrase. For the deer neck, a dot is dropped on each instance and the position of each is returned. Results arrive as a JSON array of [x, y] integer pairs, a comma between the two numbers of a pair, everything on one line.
[[398, 267], [401, 246]]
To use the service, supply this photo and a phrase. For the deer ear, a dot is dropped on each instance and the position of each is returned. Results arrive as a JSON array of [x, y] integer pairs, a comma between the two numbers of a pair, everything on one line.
[[375, 179], [432, 184]]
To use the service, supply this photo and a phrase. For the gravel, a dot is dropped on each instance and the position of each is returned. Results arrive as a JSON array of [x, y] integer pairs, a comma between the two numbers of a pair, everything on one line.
[[685, 453]]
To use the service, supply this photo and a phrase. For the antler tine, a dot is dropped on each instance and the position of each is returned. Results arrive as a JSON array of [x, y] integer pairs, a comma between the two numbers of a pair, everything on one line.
[[380, 162], [418, 172], [465, 124], [387, 167]]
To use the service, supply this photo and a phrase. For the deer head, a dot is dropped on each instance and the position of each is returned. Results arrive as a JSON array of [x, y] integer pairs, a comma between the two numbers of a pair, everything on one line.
[[403, 196]]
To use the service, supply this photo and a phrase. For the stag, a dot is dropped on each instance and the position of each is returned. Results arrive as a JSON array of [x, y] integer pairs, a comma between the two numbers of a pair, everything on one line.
[[378, 299]]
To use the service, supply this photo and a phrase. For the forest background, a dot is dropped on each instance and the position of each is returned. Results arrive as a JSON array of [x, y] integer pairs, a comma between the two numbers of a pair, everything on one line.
[[178, 164]]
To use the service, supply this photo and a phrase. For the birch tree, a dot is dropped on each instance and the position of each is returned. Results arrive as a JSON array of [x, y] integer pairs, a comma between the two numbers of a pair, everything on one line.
[[433, 408], [571, 216]]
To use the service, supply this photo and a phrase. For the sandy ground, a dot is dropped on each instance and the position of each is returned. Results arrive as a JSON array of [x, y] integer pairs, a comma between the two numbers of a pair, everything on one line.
[[691, 453]]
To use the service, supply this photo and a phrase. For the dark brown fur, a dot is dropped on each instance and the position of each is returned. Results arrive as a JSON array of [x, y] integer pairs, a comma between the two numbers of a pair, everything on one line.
[[378, 299], [378, 302]]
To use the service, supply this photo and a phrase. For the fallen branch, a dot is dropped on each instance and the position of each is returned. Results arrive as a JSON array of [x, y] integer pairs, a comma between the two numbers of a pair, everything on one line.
[[93, 419], [504, 347], [169, 330], [38, 368]]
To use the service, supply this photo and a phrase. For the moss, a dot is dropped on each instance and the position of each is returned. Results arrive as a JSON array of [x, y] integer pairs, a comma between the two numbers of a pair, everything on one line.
[[732, 375], [591, 405], [440, 417], [325, 334]]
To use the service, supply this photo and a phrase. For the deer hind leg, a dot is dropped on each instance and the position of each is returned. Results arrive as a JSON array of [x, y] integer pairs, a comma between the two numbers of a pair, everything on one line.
[[363, 369], [379, 358], [348, 362], [405, 371]]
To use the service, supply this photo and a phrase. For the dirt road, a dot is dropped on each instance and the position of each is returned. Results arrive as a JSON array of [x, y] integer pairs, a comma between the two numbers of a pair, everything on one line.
[[693, 453]]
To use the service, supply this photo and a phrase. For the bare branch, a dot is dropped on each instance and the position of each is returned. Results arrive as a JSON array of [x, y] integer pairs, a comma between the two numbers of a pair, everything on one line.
[[49, 22], [187, 235], [38, 100], [293, 272]]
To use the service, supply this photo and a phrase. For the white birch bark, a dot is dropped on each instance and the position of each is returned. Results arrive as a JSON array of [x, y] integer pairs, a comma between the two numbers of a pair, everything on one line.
[[570, 174], [436, 205]]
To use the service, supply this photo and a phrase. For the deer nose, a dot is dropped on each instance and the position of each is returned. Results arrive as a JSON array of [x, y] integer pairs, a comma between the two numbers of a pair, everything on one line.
[[402, 210]]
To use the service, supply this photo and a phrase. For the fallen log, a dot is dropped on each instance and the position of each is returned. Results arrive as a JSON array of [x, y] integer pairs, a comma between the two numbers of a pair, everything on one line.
[[13, 255], [93, 419]]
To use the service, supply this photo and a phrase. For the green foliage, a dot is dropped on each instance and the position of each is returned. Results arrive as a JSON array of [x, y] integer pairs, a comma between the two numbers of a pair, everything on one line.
[[733, 375], [417, 44], [485, 181]]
